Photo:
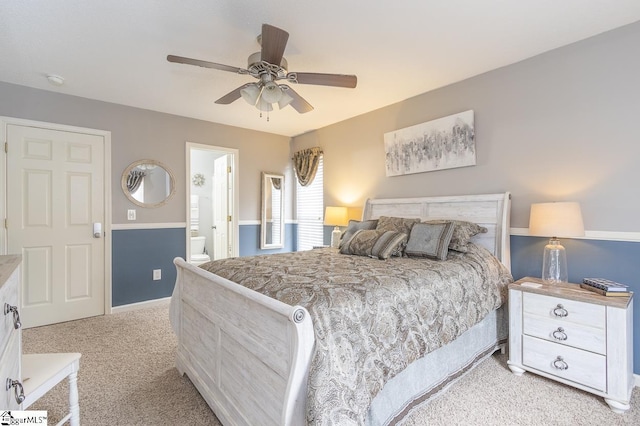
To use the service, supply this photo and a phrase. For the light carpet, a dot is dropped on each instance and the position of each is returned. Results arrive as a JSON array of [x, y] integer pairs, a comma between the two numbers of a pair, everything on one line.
[[127, 377]]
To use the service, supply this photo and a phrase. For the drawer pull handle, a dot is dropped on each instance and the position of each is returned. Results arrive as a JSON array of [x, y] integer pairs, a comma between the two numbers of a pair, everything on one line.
[[560, 364], [559, 334], [19, 394], [560, 311], [16, 316]]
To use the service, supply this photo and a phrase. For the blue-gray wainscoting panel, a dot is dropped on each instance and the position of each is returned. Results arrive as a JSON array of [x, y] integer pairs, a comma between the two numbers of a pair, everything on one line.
[[136, 253], [614, 260], [250, 240]]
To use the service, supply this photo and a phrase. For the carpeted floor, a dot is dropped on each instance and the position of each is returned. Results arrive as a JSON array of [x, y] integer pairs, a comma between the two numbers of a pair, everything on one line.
[[127, 377]]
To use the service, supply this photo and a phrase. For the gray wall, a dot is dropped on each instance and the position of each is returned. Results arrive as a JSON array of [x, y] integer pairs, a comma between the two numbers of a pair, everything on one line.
[[138, 134], [559, 126]]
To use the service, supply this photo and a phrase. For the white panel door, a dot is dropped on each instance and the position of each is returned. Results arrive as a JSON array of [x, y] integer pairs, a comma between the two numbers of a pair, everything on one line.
[[55, 195], [221, 223]]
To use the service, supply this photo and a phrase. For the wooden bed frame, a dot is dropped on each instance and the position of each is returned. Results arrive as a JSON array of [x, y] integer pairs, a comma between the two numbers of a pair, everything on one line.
[[249, 355]]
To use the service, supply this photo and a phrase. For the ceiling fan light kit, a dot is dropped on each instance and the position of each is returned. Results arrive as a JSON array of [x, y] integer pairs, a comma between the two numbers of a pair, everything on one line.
[[269, 66]]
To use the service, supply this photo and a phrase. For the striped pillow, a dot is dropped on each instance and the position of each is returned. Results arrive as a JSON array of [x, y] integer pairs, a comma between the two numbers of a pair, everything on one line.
[[375, 244], [462, 233]]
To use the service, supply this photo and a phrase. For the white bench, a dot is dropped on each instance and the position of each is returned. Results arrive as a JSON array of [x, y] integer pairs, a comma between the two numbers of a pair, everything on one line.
[[41, 372]]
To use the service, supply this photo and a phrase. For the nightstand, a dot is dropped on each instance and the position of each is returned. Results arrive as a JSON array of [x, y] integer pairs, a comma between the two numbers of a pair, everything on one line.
[[573, 336]]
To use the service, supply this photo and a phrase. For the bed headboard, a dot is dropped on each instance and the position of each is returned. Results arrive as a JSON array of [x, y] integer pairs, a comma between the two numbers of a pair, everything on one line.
[[489, 210]]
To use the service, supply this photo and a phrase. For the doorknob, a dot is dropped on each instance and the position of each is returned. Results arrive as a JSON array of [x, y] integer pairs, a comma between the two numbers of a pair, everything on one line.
[[97, 230], [213, 227]]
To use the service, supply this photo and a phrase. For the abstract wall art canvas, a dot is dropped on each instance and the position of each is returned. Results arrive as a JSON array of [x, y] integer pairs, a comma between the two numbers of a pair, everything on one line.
[[439, 144]]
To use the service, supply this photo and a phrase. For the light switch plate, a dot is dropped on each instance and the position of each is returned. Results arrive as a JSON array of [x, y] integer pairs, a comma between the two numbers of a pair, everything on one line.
[[157, 274], [131, 214]]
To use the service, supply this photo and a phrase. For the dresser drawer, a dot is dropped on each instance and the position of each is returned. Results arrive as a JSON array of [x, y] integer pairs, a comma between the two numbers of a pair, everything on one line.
[[10, 369], [565, 333], [8, 294], [564, 310], [583, 367]]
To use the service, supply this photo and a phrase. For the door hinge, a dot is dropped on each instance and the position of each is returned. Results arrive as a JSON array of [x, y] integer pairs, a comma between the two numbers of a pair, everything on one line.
[[6, 224], [6, 147], [228, 169], [229, 218]]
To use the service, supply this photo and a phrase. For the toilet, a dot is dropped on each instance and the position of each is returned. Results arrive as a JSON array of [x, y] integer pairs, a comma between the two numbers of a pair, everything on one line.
[[198, 255]]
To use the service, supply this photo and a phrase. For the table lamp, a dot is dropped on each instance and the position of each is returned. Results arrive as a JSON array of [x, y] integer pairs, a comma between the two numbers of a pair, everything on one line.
[[555, 220], [336, 216]]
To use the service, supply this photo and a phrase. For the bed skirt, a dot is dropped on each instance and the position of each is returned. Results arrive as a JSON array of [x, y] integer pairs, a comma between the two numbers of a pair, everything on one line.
[[433, 373]]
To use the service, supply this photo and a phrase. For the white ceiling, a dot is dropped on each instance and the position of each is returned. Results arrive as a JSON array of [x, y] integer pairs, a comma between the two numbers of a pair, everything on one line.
[[116, 50]]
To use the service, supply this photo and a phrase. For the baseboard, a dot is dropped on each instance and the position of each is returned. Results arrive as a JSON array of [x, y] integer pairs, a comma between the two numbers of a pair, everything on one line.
[[141, 305]]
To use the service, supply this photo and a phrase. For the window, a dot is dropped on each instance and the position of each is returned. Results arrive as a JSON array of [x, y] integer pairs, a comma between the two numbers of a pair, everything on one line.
[[310, 210]]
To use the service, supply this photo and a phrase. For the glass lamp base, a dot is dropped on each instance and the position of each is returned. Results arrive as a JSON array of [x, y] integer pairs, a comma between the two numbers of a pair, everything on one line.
[[335, 237], [554, 263]]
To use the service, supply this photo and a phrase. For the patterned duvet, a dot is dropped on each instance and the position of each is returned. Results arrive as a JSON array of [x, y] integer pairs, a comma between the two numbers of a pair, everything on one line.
[[372, 317]]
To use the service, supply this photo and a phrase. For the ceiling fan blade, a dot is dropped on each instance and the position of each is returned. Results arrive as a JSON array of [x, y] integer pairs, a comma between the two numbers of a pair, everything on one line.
[[337, 80], [232, 96], [205, 64], [273, 41], [298, 103]]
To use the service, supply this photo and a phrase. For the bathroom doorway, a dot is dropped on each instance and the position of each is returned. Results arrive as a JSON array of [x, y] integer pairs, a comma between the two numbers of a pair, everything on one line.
[[212, 203]]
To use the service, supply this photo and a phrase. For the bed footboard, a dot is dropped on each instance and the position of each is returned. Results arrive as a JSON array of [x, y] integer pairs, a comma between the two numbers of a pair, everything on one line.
[[247, 354]]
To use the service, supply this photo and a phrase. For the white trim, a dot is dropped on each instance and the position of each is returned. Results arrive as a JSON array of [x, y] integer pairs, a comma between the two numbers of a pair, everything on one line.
[[141, 305], [591, 235], [258, 222], [4, 122], [123, 226], [637, 377], [235, 245]]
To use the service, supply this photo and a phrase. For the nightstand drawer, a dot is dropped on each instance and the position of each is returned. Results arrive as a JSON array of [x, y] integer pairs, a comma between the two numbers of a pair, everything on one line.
[[565, 333], [564, 310], [582, 367]]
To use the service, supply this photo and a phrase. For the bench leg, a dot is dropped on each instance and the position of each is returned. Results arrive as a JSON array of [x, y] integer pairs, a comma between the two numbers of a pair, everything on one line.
[[74, 406]]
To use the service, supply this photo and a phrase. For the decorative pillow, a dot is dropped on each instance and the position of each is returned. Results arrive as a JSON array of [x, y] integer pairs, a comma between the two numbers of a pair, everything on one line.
[[430, 240], [462, 233], [355, 225], [373, 243], [399, 224]]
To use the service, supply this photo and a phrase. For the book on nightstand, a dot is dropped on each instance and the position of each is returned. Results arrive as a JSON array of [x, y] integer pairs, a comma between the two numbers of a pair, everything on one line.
[[606, 285], [604, 292]]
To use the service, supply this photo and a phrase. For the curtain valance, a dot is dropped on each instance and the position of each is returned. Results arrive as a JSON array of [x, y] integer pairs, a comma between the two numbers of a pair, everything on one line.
[[134, 180], [305, 163]]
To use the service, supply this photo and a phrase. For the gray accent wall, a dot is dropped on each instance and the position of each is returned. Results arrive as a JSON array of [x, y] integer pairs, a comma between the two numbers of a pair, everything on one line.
[[558, 126], [140, 134], [561, 126]]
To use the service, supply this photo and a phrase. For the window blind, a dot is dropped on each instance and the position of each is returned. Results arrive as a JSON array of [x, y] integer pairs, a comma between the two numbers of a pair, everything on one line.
[[310, 211]]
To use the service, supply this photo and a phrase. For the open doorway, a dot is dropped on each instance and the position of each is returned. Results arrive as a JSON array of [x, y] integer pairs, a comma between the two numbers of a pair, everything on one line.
[[212, 203]]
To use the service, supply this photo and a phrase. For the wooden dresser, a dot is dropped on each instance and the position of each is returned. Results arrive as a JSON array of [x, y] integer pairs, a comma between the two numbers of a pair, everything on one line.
[[574, 336], [11, 390]]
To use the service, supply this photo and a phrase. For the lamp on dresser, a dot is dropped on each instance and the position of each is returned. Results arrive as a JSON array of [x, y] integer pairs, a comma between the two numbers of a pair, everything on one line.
[[562, 219], [336, 216]]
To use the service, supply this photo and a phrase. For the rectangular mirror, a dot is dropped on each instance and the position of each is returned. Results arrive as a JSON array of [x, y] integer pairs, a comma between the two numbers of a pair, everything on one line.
[[272, 225]]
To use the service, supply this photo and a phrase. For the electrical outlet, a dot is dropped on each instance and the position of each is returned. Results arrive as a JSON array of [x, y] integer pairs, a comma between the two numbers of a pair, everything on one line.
[[157, 274], [131, 214]]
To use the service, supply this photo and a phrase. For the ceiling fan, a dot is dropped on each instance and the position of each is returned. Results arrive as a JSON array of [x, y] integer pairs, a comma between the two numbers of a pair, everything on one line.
[[269, 66]]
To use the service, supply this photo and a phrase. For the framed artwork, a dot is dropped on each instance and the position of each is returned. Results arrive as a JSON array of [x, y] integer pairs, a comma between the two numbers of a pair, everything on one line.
[[444, 143]]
